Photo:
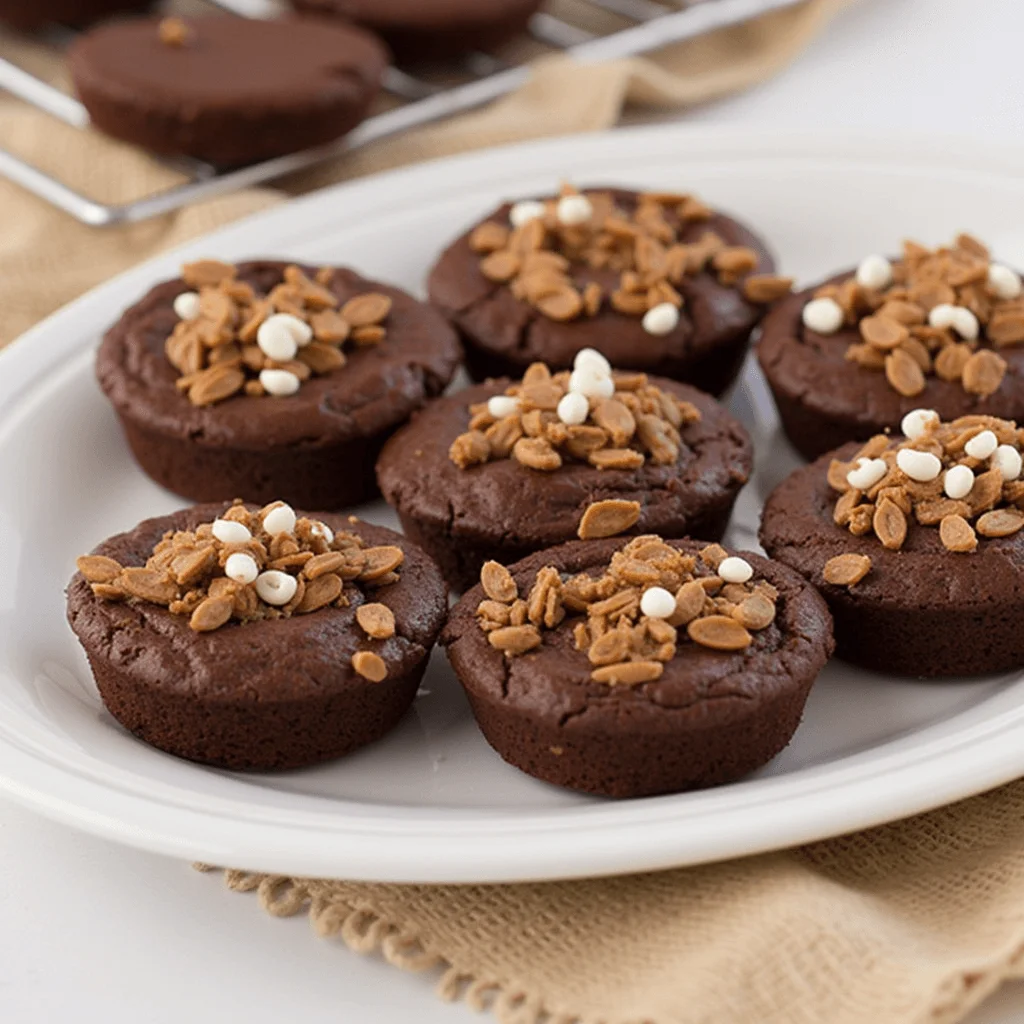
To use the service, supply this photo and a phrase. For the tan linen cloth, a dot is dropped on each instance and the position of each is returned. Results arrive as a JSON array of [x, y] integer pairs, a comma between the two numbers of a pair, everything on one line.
[[914, 922]]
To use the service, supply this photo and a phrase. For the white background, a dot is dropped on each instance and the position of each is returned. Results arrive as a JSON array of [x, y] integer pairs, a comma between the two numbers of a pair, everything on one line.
[[93, 931]]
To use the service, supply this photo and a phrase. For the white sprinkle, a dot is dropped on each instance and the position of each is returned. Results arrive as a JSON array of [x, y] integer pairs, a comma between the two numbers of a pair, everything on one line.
[[279, 382], [276, 340], [961, 319], [824, 316], [299, 329], [958, 482], [500, 406], [241, 568], [319, 529], [591, 384], [1008, 460], [276, 587], [982, 445], [227, 531], [661, 319], [920, 466], [591, 360], [917, 422], [522, 213], [573, 210], [186, 305], [573, 409], [874, 272], [866, 473], [280, 519], [1004, 282], [735, 569], [657, 603]]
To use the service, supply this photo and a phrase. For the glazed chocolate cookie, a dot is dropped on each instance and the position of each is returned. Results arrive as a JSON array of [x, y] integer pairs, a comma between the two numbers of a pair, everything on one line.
[[915, 543], [227, 90], [533, 461], [213, 655], [655, 282], [271, 380], [426, 30], [28, 17], [849, 358], [631, 670]]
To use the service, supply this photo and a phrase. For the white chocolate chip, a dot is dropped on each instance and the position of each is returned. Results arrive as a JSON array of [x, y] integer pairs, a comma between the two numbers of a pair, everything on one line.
[[593, 385], [874, 272], [917, 421], [186, 305], [573, 409], [276, 340], [657, 603], [735, 569], [920, 466], [522, 213], [866, 473], [1008, 460], [241, 567], [280, 519], [500, 406], [319, 529], [958, 482], [661, 319], [590, 360], [982, 445], [961, 319], [823, 316], [1004, 282], [279, 382], [299, 329], [573, 210], [276, 587], [227, 531]]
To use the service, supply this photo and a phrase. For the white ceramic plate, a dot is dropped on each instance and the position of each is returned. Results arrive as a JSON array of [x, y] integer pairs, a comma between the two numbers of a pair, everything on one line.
[[431, 802]]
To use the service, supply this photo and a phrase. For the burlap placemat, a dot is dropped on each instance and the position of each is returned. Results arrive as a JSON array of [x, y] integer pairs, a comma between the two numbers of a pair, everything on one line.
[[915, 922]]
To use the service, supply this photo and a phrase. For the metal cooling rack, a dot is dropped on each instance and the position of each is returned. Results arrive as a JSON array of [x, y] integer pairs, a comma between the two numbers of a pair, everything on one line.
[[650, 25]]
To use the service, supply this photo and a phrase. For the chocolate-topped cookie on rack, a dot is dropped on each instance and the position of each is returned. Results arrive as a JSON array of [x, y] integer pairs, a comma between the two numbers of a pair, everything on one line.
[[941, 328], [267, 379], [655, 281]]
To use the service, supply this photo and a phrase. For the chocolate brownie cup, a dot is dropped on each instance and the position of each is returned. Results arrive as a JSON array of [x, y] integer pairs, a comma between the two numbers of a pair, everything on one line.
[[943, 329], [916, 544], [428, 30], [28, 17], [656, 282], [227, 90], [255, 639], [631, 669], [268, 379], [501, 470]]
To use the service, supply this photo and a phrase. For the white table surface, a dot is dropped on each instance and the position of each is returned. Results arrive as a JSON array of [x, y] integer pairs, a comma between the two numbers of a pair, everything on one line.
[[93, 931]]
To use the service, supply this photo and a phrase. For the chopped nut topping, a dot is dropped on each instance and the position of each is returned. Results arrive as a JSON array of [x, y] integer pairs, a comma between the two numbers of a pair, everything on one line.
[[626, 620], [370, 666], [174, 32], [231, 341], [607, 518], [846, 570]]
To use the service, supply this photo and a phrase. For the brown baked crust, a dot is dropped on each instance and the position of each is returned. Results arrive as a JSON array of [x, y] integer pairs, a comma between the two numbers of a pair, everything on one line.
[[263, 448], [268, 695], [503, 510], [825, 400], [240, 90], [503, 335], [711, 718], [920, 611]]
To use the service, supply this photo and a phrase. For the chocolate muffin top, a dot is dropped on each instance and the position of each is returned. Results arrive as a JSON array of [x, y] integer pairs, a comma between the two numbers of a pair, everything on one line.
[[379, 385]]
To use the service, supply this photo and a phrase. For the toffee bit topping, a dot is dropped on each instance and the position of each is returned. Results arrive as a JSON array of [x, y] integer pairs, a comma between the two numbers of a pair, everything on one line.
[[252, 565], [962, 476], [627, 619], [549, 249], [610, 420], [174, 32], [607, 518], [230, 340], [938, 313]]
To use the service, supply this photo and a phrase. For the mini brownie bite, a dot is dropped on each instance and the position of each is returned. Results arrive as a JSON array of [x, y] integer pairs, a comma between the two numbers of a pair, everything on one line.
[[916, 544], [425, 30], [28, 17], [227, 90], [940, 328], [634, 668], [269, 379], [656, 282], [504, 469], [257, 638]]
